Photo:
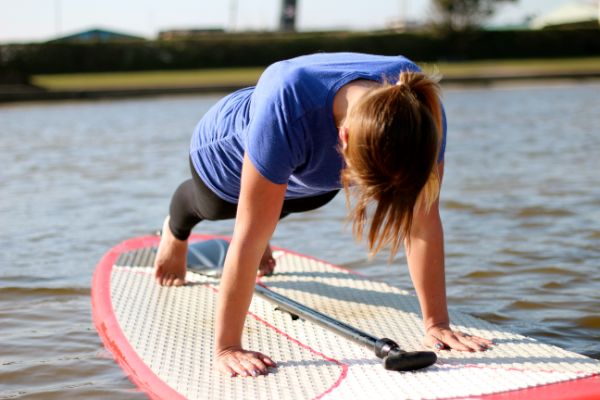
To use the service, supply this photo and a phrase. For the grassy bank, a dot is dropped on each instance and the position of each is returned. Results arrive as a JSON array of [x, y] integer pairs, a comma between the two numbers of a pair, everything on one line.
[[148, 79], [248, 76], [518, 67]]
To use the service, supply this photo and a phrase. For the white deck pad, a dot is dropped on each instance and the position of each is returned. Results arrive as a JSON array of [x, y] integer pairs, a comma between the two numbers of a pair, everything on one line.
[[163, 338]]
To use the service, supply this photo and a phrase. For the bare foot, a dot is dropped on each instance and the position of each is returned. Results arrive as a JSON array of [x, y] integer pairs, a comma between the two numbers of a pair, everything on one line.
[[267, 263], [171, 259]]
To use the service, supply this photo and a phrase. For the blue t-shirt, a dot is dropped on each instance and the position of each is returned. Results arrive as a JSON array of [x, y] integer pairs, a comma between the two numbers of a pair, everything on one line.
[[285, 124]]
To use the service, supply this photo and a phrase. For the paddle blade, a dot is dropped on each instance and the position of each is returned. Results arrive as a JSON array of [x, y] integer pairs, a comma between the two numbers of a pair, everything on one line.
[[207, 257]]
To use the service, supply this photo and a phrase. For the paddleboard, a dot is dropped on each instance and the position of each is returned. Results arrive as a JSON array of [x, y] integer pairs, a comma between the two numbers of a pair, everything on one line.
[[163, 338]]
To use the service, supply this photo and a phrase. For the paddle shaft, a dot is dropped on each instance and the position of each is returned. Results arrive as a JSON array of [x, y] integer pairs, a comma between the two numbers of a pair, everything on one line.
[[212, 254], [293, 307], [394, 358]]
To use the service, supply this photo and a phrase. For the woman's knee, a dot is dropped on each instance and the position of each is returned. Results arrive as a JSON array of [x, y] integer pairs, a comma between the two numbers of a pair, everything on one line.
[[218, 210]]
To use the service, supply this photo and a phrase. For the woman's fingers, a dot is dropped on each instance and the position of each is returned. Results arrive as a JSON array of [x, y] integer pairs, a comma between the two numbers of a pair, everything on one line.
[[246, 366], [253, 366], [456, 342], [483, 341], [238, 367], [445, 338], [243, 363], [227, 370], [434, 342], [470, 341], [268, 361]]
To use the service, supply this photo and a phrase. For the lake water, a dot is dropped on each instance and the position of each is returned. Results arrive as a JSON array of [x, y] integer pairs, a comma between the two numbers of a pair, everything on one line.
[[520, 205]]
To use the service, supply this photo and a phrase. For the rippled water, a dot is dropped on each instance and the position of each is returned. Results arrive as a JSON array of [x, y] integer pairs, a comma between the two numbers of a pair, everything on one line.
[[521, 209]]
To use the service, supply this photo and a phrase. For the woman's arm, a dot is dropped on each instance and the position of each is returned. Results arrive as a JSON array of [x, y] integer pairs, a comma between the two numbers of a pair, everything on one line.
[[258, 212], [425, 256]]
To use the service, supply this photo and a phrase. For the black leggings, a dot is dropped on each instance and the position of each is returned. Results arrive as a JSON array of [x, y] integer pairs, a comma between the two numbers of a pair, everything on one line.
[[193, 202]]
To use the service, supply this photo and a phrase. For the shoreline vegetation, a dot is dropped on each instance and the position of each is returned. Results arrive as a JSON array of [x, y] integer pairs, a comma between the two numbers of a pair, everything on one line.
[[151, 83]]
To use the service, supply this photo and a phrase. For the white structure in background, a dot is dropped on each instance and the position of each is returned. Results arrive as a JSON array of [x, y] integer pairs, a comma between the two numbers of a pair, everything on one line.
[[571, 14]]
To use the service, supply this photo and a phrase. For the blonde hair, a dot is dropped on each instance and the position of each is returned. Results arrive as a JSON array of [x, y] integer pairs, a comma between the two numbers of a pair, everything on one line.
[[394, 136]]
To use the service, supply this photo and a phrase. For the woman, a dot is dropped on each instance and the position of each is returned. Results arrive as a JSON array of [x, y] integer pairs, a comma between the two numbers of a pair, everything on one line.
[[371, 124]]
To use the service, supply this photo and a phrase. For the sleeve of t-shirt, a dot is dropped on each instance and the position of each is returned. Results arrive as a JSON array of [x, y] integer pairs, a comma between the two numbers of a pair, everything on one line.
[[444, 134], [274, 142]]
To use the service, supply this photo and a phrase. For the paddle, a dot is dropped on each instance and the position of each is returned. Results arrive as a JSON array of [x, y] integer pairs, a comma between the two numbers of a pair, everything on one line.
[[207, 258]]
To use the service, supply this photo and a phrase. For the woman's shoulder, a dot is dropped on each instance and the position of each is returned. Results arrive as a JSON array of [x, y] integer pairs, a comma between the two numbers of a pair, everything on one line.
[[325, 69], [291, 85], [284, 73]]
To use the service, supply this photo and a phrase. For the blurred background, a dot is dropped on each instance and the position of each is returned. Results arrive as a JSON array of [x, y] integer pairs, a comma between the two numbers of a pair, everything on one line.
[[199, 46], [98, 101], [35, 20]]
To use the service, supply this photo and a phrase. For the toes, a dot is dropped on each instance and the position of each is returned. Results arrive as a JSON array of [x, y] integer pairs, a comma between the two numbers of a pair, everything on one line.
[[169, 280], [160, 277], [173, 280], [265, 272], [179, 282], [267, 267]]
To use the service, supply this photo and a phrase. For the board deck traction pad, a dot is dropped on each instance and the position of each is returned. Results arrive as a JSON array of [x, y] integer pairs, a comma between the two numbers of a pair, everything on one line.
[[163, 339]]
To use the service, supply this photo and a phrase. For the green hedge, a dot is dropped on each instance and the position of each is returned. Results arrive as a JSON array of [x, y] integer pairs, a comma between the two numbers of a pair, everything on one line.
[[240, 50]]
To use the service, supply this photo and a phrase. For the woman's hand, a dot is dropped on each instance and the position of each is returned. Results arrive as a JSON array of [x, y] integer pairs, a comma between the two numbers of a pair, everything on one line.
[[236, 361], [254, 226], [442, 337]]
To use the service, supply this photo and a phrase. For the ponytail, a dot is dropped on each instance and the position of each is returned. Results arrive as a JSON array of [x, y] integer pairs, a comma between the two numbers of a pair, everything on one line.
[[427, 92], [394, 135]]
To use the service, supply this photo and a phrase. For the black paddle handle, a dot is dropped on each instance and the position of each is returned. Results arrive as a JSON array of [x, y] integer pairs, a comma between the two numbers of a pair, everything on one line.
[[394, 358], [211, 254]]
